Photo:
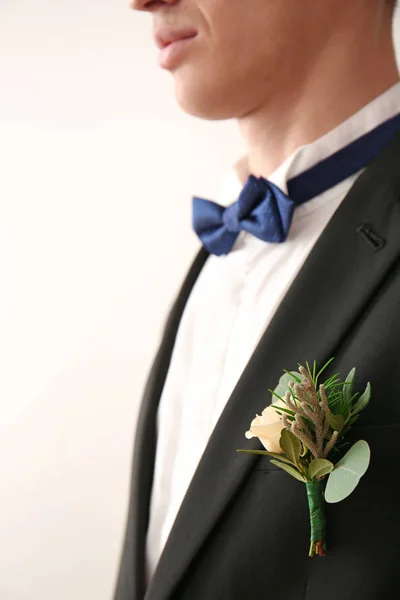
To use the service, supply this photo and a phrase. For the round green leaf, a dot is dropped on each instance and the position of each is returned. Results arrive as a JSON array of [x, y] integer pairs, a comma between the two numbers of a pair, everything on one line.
[[319, 467], [283, 385], [347, 472]]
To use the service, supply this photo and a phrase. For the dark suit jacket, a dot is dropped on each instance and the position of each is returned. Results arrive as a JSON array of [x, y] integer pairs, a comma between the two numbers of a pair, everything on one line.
[[243, 528]]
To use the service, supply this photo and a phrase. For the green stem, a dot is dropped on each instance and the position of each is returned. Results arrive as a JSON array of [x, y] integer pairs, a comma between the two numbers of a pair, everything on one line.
[[315, 496]]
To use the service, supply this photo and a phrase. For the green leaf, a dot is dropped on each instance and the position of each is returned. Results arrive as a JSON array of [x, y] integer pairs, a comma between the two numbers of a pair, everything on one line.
[[335, 421], [293, 472], [291, 446], [348, 386], [265, 453], [332, 381], [319, 467], [310, 372], [353, 419], [280, 410], [304, 449], [347, 472], [283, 385], [334, 399], [362, 401], [276, 395]]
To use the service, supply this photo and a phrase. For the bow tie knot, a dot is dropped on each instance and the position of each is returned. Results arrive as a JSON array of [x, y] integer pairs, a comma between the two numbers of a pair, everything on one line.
[[262, 209], [231, 219]]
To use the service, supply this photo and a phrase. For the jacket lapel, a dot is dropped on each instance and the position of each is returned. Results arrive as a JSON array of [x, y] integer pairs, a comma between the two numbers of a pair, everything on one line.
[[131, 580], [347, 265]]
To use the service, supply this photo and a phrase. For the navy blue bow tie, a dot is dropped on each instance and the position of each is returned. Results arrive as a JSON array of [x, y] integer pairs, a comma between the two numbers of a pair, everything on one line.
[[263, 210]]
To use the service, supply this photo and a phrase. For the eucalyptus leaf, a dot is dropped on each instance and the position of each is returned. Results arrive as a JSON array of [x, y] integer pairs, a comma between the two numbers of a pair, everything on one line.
[[293, 472], [283, 385], [297, 377], [319, 467], [275, 396], [348, 386], [336, 421], [347, 472], [291, 445], [362, 401]]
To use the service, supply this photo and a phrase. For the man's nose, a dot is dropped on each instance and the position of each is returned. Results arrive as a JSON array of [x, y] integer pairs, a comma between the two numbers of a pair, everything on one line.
[[150, 5]]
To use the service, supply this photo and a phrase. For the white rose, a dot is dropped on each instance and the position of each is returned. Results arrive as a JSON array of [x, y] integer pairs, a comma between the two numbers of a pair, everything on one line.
[[268, 428]]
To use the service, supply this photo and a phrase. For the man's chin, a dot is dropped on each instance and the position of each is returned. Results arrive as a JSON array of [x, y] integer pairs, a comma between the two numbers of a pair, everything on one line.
[[196, 101]]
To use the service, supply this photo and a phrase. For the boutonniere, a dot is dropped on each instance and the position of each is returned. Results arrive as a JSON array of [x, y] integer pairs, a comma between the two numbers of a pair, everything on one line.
[[303, 431]]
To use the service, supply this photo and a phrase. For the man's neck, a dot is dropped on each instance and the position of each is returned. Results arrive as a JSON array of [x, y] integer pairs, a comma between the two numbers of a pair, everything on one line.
[[351, 71]]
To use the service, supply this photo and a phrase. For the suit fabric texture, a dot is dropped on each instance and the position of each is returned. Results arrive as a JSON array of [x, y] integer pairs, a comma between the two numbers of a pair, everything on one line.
[[243, 528]]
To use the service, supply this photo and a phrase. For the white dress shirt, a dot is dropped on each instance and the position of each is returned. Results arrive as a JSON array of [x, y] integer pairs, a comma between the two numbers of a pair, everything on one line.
[[230, 307]]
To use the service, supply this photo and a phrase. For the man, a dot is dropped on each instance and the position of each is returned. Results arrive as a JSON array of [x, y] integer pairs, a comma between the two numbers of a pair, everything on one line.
[[315, 89]]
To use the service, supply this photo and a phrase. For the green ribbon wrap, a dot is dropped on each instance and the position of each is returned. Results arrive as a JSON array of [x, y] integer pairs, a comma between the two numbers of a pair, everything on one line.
[[316, 505]]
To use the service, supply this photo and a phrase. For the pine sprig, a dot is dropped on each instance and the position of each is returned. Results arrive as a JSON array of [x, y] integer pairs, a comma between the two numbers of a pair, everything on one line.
[[310, 405], [320, 415]]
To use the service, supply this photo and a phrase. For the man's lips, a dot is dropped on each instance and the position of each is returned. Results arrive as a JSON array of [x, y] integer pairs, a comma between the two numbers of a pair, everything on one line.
[[174, 52], [166, 35]]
